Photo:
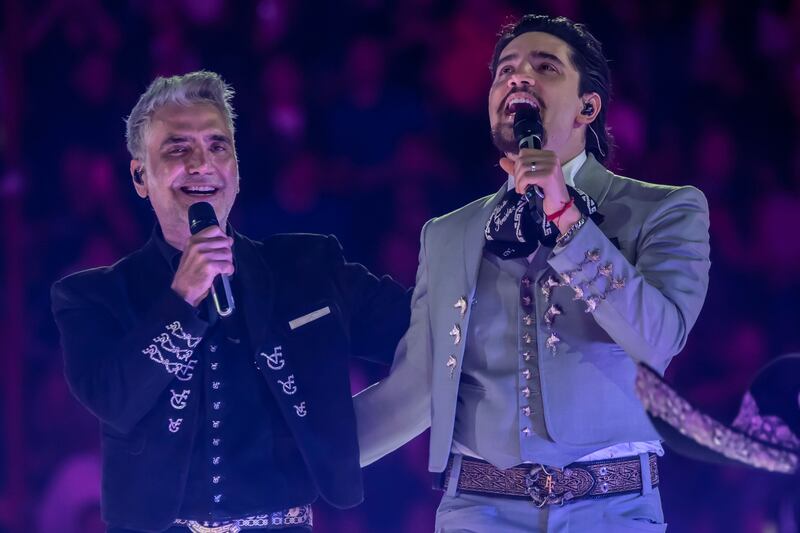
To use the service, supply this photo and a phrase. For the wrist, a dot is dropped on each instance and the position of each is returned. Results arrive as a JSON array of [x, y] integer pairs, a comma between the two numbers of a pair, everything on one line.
[[567, 236], [193, 300], [568, 218]]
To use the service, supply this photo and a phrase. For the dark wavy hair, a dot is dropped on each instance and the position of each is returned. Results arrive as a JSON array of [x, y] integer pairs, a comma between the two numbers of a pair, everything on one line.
[[587, 58]]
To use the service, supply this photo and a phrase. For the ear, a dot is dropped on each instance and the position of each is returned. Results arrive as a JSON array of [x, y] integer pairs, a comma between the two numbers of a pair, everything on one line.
[[589, 108], [137, 165]]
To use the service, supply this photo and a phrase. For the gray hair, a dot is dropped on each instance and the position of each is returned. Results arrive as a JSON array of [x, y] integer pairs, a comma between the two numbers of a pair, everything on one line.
[[195, 87]]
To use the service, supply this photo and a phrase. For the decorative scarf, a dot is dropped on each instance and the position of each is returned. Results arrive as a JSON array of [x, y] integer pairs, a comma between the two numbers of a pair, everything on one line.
[[516, 227]]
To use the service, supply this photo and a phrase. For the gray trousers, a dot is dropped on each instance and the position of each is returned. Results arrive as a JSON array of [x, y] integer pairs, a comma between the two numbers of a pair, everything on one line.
[[469, 513]]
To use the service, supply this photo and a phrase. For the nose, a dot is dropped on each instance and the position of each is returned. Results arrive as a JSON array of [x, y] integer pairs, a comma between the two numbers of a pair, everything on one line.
[[197, 162], [521, 78]]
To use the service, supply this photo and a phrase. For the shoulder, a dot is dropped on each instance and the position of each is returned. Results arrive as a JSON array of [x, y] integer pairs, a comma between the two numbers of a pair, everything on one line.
[[462, 213], [299, 249], [654, 192], [297, 243], [95, 281], [455, 220]]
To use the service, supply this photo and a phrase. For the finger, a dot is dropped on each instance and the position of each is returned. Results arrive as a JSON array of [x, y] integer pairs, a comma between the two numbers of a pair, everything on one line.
[[211, 231], [542, 168], [507, 165], [220, 267], [209, 246], [523, 183], [199, 238], [537, 155], [532, 153], [214, 255], [524, 177]]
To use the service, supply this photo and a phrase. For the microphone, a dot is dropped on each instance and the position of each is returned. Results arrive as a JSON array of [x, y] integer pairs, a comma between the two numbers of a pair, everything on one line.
[[201, 216], [528, 132]]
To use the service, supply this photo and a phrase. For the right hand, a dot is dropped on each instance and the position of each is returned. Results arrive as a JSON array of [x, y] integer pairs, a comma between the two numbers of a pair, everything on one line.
[[207, 254]]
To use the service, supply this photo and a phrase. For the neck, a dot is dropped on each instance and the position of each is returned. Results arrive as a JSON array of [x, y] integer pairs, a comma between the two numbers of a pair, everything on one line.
[[177, 238], [572, 150]]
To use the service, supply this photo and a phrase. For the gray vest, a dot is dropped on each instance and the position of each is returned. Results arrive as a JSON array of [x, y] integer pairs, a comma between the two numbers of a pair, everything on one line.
[[499, 415]]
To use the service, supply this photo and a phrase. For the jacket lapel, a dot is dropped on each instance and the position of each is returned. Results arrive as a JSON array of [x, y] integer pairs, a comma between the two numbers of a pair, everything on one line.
[[256, 297], [152, 274], [474, 237], [594, 179]]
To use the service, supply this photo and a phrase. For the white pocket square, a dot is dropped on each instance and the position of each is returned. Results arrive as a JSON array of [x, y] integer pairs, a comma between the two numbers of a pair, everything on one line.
[[310, 317]]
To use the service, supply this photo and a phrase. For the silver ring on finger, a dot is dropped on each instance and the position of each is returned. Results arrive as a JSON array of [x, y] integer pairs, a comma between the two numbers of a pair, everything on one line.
[[533, 166]]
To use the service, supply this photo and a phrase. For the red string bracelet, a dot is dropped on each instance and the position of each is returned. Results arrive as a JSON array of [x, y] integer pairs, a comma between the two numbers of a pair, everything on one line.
[[555, 216]]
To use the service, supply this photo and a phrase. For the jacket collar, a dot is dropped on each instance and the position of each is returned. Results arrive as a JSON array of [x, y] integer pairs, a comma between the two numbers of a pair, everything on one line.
[[594, 179]]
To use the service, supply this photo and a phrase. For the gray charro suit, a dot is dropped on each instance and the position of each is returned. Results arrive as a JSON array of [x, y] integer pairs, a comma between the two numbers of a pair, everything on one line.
[[653, 251]]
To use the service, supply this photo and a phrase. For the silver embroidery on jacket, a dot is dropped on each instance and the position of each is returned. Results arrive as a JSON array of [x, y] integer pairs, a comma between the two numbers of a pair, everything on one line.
[[184, 366], [176, 329]]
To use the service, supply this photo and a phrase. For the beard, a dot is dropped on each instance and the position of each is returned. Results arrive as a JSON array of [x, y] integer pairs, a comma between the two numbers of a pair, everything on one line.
[[503, 139]]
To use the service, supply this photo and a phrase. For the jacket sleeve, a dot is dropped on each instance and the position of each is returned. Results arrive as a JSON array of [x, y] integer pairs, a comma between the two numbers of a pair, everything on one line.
[[378, 308], [647, 307], [397, 409], [118, 370]]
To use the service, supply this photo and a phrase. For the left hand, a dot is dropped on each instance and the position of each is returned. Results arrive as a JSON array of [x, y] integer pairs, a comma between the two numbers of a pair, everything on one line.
[[548, 176]]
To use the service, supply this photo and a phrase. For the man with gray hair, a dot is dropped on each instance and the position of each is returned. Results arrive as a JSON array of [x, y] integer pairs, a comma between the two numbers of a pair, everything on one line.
[[213, 421]]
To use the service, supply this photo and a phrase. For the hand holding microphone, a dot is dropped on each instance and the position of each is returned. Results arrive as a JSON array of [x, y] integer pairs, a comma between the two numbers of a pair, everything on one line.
[[537, 173], [206, 263]]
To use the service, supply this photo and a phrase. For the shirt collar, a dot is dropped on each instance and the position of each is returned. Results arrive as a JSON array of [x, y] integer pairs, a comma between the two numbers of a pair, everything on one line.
[[171, 254], [570, 169]]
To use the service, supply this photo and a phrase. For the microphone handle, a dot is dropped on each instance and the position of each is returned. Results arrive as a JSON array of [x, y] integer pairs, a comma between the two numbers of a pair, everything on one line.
[[532, 141], [222, 295]]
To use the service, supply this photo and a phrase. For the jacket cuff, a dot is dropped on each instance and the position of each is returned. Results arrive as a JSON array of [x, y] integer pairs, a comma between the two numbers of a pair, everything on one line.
[[179, 333]]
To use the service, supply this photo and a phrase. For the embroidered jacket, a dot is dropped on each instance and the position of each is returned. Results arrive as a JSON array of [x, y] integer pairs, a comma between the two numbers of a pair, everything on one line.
[[626, 291], [129, 341]]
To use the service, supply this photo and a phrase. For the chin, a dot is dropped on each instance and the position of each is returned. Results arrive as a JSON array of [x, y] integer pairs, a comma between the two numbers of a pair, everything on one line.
[[504, 141]]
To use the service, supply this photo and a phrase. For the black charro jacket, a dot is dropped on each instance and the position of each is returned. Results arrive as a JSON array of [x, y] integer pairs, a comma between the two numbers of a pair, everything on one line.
[[128, 339]]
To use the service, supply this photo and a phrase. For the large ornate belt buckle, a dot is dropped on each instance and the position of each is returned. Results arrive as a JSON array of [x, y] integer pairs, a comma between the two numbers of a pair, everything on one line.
[[543, 488], [554, 486], [540, 483]]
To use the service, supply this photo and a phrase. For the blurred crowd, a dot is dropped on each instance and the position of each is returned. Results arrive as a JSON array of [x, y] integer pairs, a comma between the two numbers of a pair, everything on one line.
[[365, 118]]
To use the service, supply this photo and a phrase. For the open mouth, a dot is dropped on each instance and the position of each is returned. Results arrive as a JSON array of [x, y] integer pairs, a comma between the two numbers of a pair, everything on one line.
[[517, 101], [199, 190]]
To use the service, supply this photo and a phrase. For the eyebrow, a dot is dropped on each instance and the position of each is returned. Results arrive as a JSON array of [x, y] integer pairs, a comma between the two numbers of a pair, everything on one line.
[[218, 137], [178, 139], [173, 139], [546, 55], [536, 54]]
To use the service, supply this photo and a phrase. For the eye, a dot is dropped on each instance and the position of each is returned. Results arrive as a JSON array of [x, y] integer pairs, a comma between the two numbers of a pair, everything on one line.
[[547, 67], [503, 71], [177, 150], [219, 147]]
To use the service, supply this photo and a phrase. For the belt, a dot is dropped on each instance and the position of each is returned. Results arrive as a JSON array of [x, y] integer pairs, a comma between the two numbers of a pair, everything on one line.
[[296, 516], [547, 485]]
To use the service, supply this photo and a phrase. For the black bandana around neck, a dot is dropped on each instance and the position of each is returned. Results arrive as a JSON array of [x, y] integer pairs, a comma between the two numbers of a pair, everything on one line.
[[516, 227]]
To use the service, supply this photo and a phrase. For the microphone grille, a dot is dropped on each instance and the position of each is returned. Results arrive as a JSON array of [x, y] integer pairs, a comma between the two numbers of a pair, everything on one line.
[[201, 216]]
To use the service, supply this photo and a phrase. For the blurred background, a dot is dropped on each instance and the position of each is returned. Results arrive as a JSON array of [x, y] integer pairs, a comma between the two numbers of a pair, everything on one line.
[[364, 118]]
